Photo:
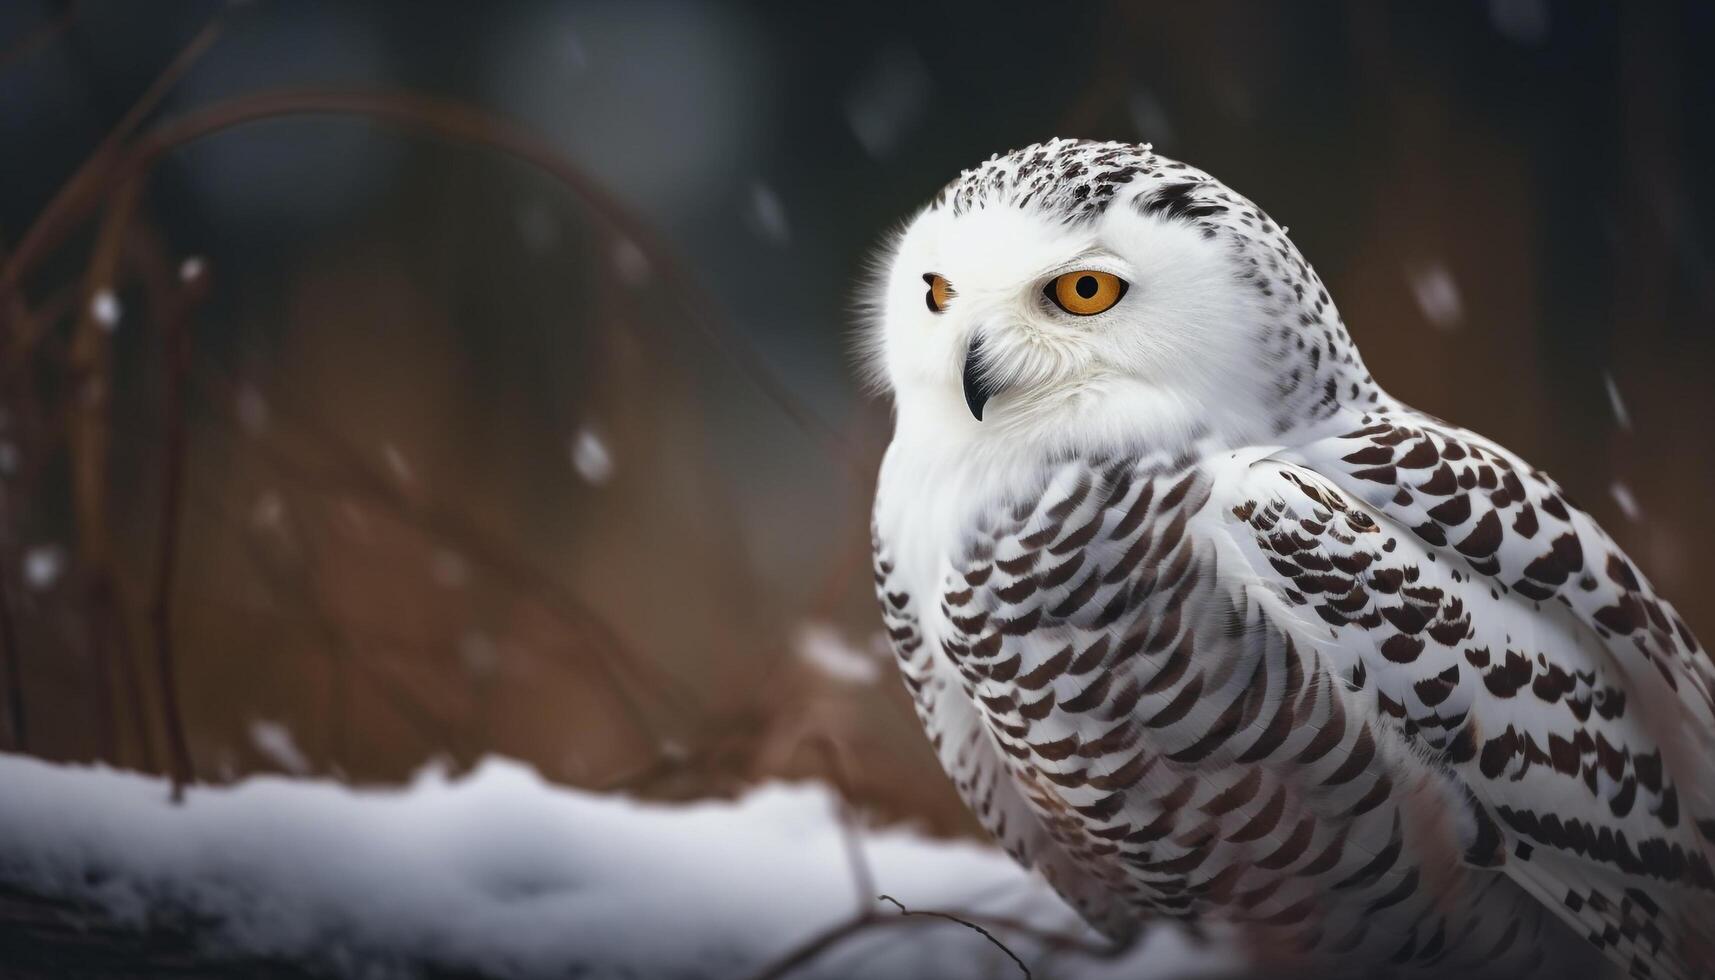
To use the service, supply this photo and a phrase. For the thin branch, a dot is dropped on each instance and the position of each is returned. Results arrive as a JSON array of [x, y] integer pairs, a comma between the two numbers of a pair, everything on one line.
[[968, 924], [863, 878], [985, 924], [89, 438], [176, 338], [47, 31], [821, 943], [78, 197], [839, 932], [865, 917], [11, 654], [16, 725]]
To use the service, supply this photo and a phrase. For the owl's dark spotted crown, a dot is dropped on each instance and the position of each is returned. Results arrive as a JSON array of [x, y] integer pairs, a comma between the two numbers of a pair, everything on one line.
[[1076, 179]]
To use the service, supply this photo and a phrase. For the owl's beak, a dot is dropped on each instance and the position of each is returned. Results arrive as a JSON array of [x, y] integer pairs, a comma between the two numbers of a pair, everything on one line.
[[979, 387]]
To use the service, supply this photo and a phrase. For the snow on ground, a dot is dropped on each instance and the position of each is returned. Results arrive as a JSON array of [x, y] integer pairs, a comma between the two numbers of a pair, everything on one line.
[[498, 871]]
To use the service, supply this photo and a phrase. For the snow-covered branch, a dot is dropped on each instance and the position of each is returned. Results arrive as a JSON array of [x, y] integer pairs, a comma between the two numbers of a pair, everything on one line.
[[499, 874]]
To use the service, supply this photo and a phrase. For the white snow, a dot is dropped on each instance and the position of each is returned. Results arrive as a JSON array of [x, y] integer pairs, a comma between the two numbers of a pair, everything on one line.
[[590, 456], [252, 409], [501, 873], [277, 745], [538, 226], [767, 215], [1520, 21], [888, 100], [104, 307], [823, 646], [630, 262], [396, 462], [449, 569], [268, 510], [1437, 295], [43, 565], [1627, 501], [479, 653], [1615, 402]]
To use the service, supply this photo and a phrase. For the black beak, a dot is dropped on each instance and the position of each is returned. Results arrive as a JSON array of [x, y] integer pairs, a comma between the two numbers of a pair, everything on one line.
[[978, 386]]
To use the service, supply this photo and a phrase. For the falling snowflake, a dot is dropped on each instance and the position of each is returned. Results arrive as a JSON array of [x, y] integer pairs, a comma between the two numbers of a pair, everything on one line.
[[252, 410], [1628, 503], [355, 517], [43, 565], [479, 653], [268, 510], [1623, 417], [572, 51], [396, 462], [191, 269], [822, 646], [1437, 295], [1520, 21], [449, 569], [1149, 118], [590, 457], [630, 262], [767, 215], [104, 307], [888, 100], [274, 741], [537, 226]]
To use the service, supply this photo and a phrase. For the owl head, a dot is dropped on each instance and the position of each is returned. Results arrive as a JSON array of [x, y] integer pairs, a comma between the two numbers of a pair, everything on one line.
[[1099, 296]]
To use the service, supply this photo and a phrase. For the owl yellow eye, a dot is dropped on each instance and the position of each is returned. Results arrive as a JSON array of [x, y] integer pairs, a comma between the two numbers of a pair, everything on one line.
[[940, 292], [1086, 292]]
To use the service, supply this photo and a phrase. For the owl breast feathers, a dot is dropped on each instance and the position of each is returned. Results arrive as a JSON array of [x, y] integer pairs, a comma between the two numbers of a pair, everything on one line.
[[1252, 645]]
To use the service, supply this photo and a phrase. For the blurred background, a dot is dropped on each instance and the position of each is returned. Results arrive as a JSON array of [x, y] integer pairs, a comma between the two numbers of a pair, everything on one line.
[[383, 384]]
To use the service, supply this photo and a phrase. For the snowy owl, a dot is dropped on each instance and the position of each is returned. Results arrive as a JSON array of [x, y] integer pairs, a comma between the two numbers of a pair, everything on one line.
[[1205, 626]]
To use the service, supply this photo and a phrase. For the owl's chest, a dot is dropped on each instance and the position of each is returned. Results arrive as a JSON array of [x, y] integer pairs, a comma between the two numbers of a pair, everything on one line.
[[924, 511], [1041, 607], [930, 502]]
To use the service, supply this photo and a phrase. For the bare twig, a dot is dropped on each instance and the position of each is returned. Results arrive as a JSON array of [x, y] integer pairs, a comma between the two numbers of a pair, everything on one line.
[[176, 338], [17, 728], [89, 362], [130, 680], [863, 879], [39, 36], [870, 919], [79, 196], [11, 654], [821, 943], [865, 917], [89, 437], [968, 924]]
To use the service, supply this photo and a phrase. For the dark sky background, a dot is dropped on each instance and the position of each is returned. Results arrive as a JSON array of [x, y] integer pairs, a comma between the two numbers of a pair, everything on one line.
[[1508, 199]]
